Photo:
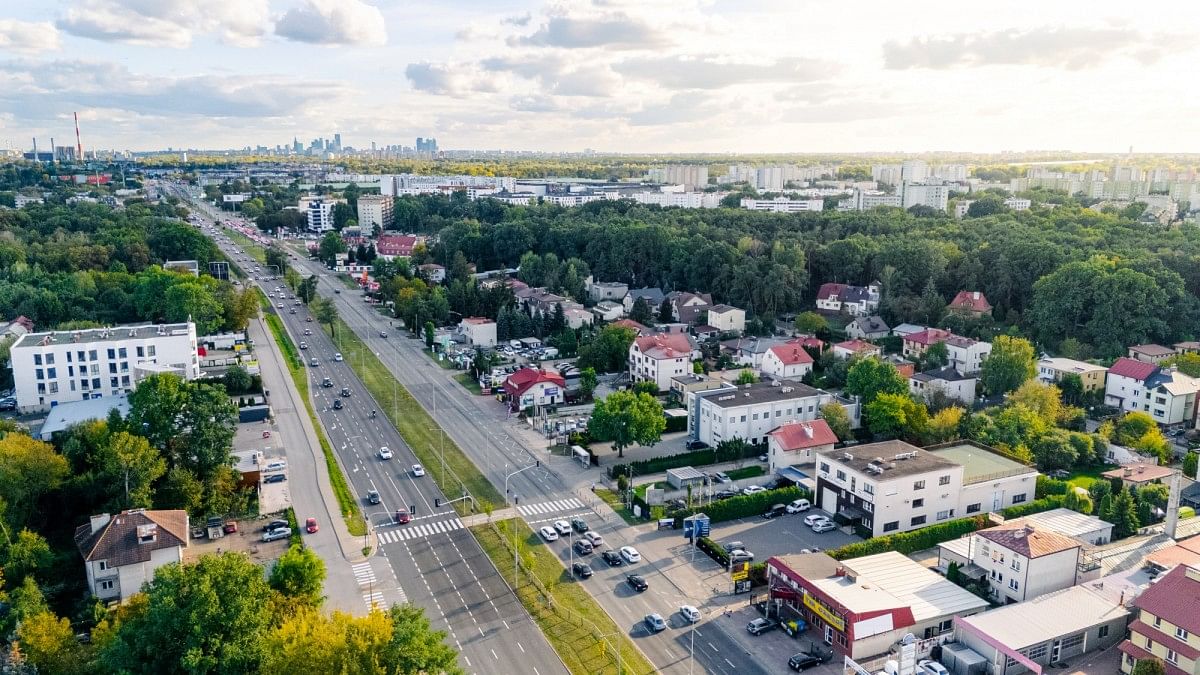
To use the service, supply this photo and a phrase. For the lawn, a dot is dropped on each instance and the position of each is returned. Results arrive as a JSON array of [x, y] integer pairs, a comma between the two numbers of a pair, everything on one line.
[[570, 618], [252, 249], [469, 383], [614, 500], [415, 425], [346, 501], [745, 472], [1085, 477]]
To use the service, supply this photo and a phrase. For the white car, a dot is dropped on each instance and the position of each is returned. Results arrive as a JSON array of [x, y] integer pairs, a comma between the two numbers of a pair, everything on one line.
[[689, 613], [753, 489], [563, 527], [927, 667], [824, 526], [630, 554], [275, 466], [385, 453], [813, 518], [418, 470], [337, 356], [799, 505], [548, 533], [595, 539]]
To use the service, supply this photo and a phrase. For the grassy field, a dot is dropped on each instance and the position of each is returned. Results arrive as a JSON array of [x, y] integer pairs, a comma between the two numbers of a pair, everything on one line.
[[745, 472], [252, 249], [572, 620], [346, 501], [469, 383], [419, 430], [614, 500], [1085, 477]]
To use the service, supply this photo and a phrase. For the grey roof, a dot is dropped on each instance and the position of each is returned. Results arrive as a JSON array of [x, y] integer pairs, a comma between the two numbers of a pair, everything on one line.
[[65, 415], [686, 473], [653, 296], [94, 335], [1066, 612], [871, 324], [753, 345], [722, 308], [947, 374], [761, 392], [899, 459], [855, 294]]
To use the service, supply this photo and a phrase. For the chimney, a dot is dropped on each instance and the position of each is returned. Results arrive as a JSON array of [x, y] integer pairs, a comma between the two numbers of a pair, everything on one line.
[[808, 432], [98, 522], [975, 295]]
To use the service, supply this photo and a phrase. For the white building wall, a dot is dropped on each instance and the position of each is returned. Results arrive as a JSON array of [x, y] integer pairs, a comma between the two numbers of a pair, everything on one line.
[[752, 422], [771, 365]]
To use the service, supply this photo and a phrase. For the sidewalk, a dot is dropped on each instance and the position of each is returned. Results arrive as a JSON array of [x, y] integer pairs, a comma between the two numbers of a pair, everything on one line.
[[308, 475]]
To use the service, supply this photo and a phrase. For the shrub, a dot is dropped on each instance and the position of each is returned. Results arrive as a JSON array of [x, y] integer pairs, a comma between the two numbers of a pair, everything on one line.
[[676, 424], [744, 505], [695, 458], [1035, 506], [1050, 486]]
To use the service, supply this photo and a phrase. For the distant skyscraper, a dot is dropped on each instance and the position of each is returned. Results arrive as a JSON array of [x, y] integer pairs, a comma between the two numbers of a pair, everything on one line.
[[337, 142], [296, 145], [426, 145]]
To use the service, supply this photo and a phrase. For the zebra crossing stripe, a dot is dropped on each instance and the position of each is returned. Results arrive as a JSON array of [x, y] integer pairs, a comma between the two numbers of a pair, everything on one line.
[[550, 507], [374, 600], [420, 531], [363, 573]]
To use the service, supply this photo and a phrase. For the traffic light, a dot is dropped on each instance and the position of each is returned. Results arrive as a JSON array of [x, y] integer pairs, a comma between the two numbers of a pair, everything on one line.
[[412, 508], [437, 502]]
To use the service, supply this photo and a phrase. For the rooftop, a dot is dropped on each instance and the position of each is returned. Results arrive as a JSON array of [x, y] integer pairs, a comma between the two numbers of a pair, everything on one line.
[[979, 462], [1065, 522], [1071, 610], [1174, 597], [140, 331], [761, 392], [1132, 368], [889, 580], [889, 459], [791, 354], [809, 565], [800, 435], [1140, 473], [117, 540], [1153, 350], [1070, 365], [1028, 540], [65, 415], [947, 374], [722, 309], [857, 346]]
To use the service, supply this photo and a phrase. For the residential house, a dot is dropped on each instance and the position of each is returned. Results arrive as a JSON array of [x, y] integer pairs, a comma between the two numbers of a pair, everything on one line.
[[970, 303], [749, 351], [867, 328], [16, 328], [658, 358], [611, 291], [852, 300], [947, 381], [1052, 369], [906, 329], [727, 319], [1150, 353], [753, 410], [652, 296], [121, 552], [1138, 475], [1167, 624], [578, 317], [902, 365], [391, 246], [796, 443], [479, 331], [856, 348], [689, 308], [1021, 562], [607, 310], [534, 389], [965, 354], [433, 271], [1189, 347], [637, 328], [787, 361], [1164, 393]]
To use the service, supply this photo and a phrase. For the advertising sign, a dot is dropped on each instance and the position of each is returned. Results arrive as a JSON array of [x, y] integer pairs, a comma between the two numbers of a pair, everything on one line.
[[822, 611], [740, 571]]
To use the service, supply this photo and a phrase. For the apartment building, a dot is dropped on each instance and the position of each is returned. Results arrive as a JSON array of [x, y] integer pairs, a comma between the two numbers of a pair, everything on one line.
[[783, 205], [1052, 369], [319, 212], [1167, 624], [374, 211], [658, 358], [1164, 393], [753, 410], [893, 486], [63, 366], [933, 195], [727, 318], [964, 354]]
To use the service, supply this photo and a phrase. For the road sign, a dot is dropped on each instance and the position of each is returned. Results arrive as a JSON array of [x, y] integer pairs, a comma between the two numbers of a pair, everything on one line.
[[742, 586], [740, 571]]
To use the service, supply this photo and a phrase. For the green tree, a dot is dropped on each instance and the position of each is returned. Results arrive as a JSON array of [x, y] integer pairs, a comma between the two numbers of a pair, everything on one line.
[[29, 470], [838, 420], [130, 467], [293, 279], [944, 425], [48, 643], [415, 647], [1071, 386], [237, 380], [811, 323], [1078, 501], [986, 205], [666, 313], [645, 387], [587, 383], [1009, 365], [608, 351], [1043, 399], [641, 312], [868, 378], [1149, 666], [624, 418], [299, 574], [1053, 450], [896, 416], [242, 308], [1188, 363], [429, 334], [746, 377], [324, 311], [1190, 462], [331, 245], [1125, 517], [191, 423], [936, 356]]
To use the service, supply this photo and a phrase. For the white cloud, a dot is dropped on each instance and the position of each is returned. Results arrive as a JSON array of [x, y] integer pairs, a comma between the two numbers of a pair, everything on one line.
[[27, 37], [334, 22], [166, 23], [691, 72], [449, 79], [614, 31]]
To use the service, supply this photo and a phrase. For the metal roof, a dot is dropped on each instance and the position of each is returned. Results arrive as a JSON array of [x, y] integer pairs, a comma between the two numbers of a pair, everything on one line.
[[890, 580], [1064, 612]]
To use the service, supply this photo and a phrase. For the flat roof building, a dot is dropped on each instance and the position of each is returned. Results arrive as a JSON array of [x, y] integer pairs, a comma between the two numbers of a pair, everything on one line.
[[66, 415]]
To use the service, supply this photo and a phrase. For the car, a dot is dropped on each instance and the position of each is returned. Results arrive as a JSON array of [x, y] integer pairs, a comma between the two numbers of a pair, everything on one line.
[[548, 533], [292, 311], [803, 661], [337, 356], [722, 477], [275, 466], [327, 383], [689, 613], [824, 526], [761, 625], [762, 458], [383, 333], [277, 533], [753, 489], [583, 546], [813, 518], [418, 470], [275, 478], [385, 453], [775, 511], [562, 527], [630, 554], [695, 444], [725, 494], [303, 345], [8, 404], [345, 392], [275, 524], [307, 319], [337, 291], [582, 570], [308, 331], [279, 305], [654, 622], [311, 526], [1061, 474], [730, 546], [373, 496], [403, 516], [928, 667], [313, 362], [637, 582], [612, 558], [741, 555], [798, 505], [579, 525], [337, 404], [594, 539]]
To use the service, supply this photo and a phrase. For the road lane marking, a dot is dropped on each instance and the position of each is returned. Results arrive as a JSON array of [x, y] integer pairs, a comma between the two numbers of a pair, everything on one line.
[[714, 648], [520, 647], [493, 651]]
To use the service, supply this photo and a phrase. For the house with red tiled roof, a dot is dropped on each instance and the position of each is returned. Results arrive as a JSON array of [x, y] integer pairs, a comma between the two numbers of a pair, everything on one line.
[[852, 348], [790, 361], [963, 353], [1022, 561], [658, 358], [1167, 625], [390, 246], [970, 303], [1164, 393], [534, 388], [846, 299], [121, 552], [796, 443], [637, 328]]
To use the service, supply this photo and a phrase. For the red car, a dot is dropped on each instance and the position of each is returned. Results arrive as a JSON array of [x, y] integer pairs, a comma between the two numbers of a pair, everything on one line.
[[402, 516], [311, 525]]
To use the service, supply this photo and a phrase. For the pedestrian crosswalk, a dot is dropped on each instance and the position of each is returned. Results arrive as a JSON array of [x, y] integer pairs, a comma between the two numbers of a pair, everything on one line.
[[550, 507], [374, 600], [363, 574], [418, 531]]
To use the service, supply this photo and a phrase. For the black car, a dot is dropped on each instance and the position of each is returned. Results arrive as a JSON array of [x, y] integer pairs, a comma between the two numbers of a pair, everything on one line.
[[612, 558], [345, 392], [8, 404], [274, 524], [583, 546], [327, 383], [775, 511], [803, 661], [725, 494], [579, 525], [275, 478], [582, 570], [636, 582], [337, 404], [695, 445]]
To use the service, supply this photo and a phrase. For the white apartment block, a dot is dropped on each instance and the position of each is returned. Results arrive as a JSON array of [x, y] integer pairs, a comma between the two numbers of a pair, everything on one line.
[[374, 211], [933, 195], [691, 176], [914, 170], [783, 205], [951, 172], [892, 486], [686, 200], [65, 366], [658, 358], [865, 200], [886, 173], [1018, 204], [753, 410], [319, 213]]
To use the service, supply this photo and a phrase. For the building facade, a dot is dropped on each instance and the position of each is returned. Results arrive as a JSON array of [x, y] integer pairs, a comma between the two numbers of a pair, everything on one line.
[[1164, 393], [374, 211], [1167, 624], [753, 410], [1052, 369], [121, 552], [658, 358], [479, 331]]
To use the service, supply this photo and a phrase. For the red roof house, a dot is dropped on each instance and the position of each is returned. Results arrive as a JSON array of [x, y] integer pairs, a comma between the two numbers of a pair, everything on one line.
[[787, 360], [638, 329], [972, 303], [1169, 602], [532, 387], [397, 245], [1133, 369]]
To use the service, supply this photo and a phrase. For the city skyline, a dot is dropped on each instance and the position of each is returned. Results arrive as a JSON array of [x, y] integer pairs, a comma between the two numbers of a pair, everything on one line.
[[709, 76]]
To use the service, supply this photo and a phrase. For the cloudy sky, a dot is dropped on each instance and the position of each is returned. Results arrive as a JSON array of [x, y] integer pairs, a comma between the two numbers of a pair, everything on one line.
[[611, 75]]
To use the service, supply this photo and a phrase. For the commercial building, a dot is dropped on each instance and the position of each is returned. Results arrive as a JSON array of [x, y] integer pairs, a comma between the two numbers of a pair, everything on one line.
[[1167, 624], [753, 410], [63, 366], [374, 211], [658, 358], [1166, 394], [783, 205], [67, 415], [121, 552], [532, 389], [1052, 369], [1041, 632], [865, 606], [600, 291], [479, 331], [893, 486]]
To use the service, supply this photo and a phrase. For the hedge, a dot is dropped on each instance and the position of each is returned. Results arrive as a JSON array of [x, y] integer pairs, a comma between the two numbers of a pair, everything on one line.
[[676, 424], [694, 458], [742, 506], [928, 537], [1050, 486]]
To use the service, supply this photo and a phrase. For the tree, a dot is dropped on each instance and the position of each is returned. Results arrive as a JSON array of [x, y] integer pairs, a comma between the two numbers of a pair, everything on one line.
[[746, 377], [237, 380], [1078, 501], [192, 423], [1188, 363], [243, 307], [415, 647], [429, 334], [1125, 517], [331, 245], [985, 206], [1043, 399], [645, 387], [666, 313], [868, 378], [944, 425], [624, 418], [1105, 511], [1149, 666], [1190, 462], [811, 323], [641, 312], [838, 420], [1053, 450], [1009, 365], [299, 574], [48, 642], [936, 356], [608, 351], [292, 278], [587, 383], [29, 469], [130, 467], [324, 311], [1071, 386], [897, 415]]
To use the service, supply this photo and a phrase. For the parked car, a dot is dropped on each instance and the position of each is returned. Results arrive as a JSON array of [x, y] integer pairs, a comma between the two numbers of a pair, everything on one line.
[[637, 582], [1061, 474], [761, 625], [582, 570], [311, 525], [695, 444], [803, 661], [630, 554], [732, 546], [753, 489], [548, 533], [824, 526], [583, 546], [799, 505], [385, 453], [723, 477], [579, 525], [277, 533], [275, 478], [418, 470], [562, 527], [275, 466], [813, 518], [612, 558], [775, 511], [725, 494], [373, 497], [654, 622], [275, 525], [928, 667], [689, 613]]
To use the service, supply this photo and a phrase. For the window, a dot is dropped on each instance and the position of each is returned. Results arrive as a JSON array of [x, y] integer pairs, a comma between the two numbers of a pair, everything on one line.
[[945, 626], [868, 507], [37, 359], [918, 503], [1016, 564], [1038, 652], [943, 515], [123, 353], [973, 508], [107, 585], [841, 475], [103, 564], [754, 416], [1012, 583], [892, 526], [112, 368], [140, 351], [1149, 645], [49, 359], [1158, 622], [919, 520], [1181, 634], [112, 382], [1017, 499], [743, 418], [41, 374], [1172, 657], [150, 351], [919, 485], [868, 489], [112, 354], [1102, 633], [944, 480], [824, 467], [778, 413]]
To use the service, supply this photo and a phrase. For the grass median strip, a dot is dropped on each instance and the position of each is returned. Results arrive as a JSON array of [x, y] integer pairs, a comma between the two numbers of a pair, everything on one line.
[[416, 426], [469, 383], [247, 244], [614, 500], [578, 628], [346, 501]]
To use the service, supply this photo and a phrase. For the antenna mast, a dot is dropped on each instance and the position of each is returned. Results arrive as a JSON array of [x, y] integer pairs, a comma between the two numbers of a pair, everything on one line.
[[78, 143]]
